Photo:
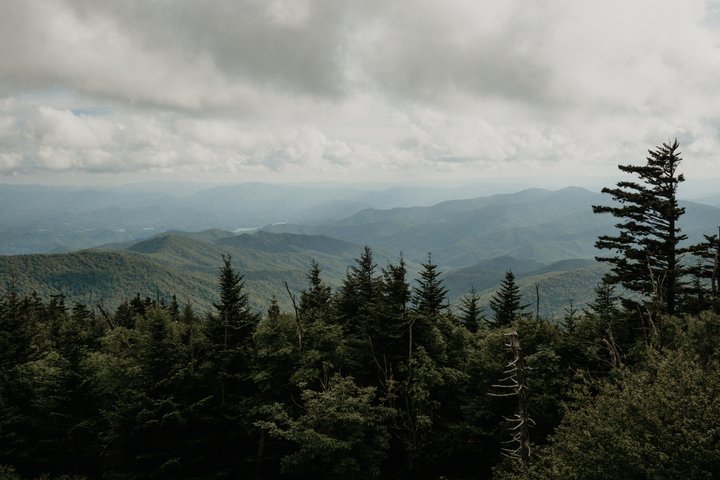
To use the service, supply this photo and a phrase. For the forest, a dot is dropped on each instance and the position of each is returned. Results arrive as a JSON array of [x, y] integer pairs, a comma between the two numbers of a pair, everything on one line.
[[381, 377]]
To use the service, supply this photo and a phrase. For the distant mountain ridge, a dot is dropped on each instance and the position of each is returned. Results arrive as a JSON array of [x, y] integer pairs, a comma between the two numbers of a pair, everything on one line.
[[545, 237], [41, 219], [536, 224]]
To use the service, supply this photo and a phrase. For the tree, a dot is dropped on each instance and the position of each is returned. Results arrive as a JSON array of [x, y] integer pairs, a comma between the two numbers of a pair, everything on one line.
[[228, 376], [646, 248], [705, 274], [320, 339], [505, 304], [341, 433], [470, 310], [358, 305], [429, 297], [230, 332], [316, 299], [659, 422]]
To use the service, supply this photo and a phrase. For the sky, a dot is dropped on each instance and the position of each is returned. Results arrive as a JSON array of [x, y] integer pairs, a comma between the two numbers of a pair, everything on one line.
[[354, 91]]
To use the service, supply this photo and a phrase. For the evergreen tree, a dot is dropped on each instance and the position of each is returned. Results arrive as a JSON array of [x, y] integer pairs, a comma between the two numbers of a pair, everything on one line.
[[315, 300], [18, 333], [430, 296], [319, 334], [706, 289], [230, 331], [505, 304], [396, 289], [360, 291], [358, 310], [391, 343], [646, 248], [471, 313], [146, 432], [228, 376]]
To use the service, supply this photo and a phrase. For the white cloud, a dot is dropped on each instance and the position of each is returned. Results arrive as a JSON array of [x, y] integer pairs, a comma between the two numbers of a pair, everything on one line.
[[333, 89]]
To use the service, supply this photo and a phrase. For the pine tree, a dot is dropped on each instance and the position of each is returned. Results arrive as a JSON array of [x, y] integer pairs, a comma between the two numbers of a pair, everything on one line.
[[392, 343], [360, 291], [396, 290], [228, 374], [470, 310], [358, 308], [646, 248], [430, 296], [315, 300], [505, 304], [706, 291]]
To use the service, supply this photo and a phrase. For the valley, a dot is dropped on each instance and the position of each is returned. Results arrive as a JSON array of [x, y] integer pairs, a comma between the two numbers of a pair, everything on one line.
[[545, 237]]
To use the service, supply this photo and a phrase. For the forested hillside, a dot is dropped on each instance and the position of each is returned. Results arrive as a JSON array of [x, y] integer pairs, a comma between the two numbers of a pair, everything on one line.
[[374, 379], [184, 264], [180, 264], [376, 376]]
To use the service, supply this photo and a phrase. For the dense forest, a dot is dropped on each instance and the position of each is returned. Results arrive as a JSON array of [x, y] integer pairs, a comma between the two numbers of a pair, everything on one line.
[[380, 378]]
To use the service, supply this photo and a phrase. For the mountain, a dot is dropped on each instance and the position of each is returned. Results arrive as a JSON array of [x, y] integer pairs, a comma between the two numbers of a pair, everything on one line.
[[180, 263], [186, 264], [41, 219], [93, 276], [559, 283], [540, 225], [474, 241], [712, 200]]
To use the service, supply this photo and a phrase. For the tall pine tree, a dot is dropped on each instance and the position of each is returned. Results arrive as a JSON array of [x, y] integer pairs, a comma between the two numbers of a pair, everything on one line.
[[505, 304], [645, 252]]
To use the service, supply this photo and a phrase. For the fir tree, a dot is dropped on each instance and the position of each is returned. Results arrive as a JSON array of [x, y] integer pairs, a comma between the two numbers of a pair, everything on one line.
[[646, 247], [430, 296], [505, 304], [228, 375], [316, 298], [471, 314]]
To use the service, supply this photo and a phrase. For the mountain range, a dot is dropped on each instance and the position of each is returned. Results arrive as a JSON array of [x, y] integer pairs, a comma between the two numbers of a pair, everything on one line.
[[540, 225], [545, 237], [45, 219]]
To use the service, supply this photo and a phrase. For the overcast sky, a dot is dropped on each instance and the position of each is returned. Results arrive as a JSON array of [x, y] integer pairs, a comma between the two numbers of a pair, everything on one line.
[[367, 90]]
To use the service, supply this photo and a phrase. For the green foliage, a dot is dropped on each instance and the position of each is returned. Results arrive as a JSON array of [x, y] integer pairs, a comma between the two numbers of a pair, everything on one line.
[[506, 304], [471, 312], [645, 254], [429, 297], [659, 422], [370, 381], [341, 433], [180, 264], [703, 292]]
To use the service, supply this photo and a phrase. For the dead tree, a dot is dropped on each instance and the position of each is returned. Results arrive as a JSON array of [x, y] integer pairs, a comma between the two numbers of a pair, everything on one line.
[[298, 321], [514, 385], [716, 269], [106, 316]]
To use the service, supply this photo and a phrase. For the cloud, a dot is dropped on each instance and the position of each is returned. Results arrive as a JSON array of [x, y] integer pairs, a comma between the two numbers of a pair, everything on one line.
[[379, 89]]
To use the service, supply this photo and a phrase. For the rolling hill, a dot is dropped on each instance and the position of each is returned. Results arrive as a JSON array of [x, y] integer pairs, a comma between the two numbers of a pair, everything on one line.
[[545, 237], [559, 283], [184, 264]]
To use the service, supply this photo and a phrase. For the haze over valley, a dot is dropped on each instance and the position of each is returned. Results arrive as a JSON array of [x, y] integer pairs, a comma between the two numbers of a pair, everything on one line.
[[107, 245]]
